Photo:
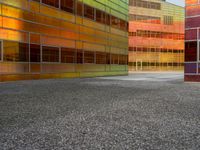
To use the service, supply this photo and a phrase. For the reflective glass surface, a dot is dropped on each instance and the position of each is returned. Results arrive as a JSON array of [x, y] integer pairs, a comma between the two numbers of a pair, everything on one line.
[[192, 71], [156, 35], [53, 36]]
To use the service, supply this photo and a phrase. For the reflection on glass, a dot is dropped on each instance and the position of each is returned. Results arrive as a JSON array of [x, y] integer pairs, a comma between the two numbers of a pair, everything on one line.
[[16, 52], [34, 53], [68, 55], [1, 50], [89, 57], [50, 54]]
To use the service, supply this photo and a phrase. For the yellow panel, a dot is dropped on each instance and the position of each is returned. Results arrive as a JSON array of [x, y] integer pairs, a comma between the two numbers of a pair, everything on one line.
[[17, 3], [79, 45], [57, 42], [13, 35], [34, 6], [92, 47]]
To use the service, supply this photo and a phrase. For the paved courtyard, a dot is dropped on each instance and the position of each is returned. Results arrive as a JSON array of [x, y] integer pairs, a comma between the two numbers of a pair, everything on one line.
[[142, 111]]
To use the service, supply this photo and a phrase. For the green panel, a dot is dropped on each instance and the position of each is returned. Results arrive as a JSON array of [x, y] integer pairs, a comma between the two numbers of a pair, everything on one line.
[[117, 8]]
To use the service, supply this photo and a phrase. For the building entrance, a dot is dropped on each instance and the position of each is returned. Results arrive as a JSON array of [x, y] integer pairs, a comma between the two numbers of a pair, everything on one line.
[[138, 65]]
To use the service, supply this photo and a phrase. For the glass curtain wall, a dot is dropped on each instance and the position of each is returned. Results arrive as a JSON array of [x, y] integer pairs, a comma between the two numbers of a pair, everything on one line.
[[192, 55], [61, 38], [156, 36]]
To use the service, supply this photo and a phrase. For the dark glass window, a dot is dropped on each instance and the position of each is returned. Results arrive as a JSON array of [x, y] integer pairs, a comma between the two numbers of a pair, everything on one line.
[[54, 3], [67, 5], [123, 25], [15, 51], [108, 58], [34, 53], [114, 58], [88, 57], [100, 58], [23, 52], [100, 16], [50, 54], [89, 12], [108, 19], [79, 57], [68, 55], [127, 26], [0, 50], [123, 59], [115, 22], [79, 9], [191, 51]]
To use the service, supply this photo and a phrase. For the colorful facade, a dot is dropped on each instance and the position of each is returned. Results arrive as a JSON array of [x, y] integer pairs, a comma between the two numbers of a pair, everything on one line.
[[192, 29], [156, 35], [63, 38]]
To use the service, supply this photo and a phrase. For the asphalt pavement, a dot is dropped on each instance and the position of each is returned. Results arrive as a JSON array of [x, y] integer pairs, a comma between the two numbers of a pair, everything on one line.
[[143, 111]]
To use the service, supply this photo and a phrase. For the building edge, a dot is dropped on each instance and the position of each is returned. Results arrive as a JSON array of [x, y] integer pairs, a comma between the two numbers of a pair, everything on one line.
[[31, 76]]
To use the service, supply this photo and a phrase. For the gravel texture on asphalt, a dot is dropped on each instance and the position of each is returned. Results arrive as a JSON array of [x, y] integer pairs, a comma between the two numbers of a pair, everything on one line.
[[99, 114]]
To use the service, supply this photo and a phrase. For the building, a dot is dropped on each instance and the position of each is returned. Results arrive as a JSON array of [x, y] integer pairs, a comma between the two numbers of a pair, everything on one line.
[[192, 55], [156, 35], [63, 38]]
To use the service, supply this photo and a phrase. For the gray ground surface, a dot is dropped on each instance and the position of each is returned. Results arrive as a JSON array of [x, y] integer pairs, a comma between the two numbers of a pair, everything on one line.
[[101, 113]]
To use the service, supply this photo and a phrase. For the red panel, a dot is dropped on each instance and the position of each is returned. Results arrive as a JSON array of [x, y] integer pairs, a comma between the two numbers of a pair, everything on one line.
[[191, 51], [192, 78], [191, 2], [192, 22], [191, 34], [193, 10]]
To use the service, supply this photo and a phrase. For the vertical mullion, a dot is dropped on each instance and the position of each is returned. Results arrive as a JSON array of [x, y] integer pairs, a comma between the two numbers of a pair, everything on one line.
[[59, 54], [59, 4], [29, 51], [198, 50], [1, 50], [41, 60]]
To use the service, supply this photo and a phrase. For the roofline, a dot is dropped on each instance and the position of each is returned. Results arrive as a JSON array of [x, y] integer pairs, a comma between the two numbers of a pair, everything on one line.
[[164, 1]]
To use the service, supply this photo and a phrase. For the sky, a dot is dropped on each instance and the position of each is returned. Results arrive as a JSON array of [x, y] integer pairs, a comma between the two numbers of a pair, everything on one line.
[[177, 2]]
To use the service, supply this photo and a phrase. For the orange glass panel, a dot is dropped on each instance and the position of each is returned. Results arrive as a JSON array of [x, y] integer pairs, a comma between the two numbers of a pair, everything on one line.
[[35, 38], [13, 35]]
